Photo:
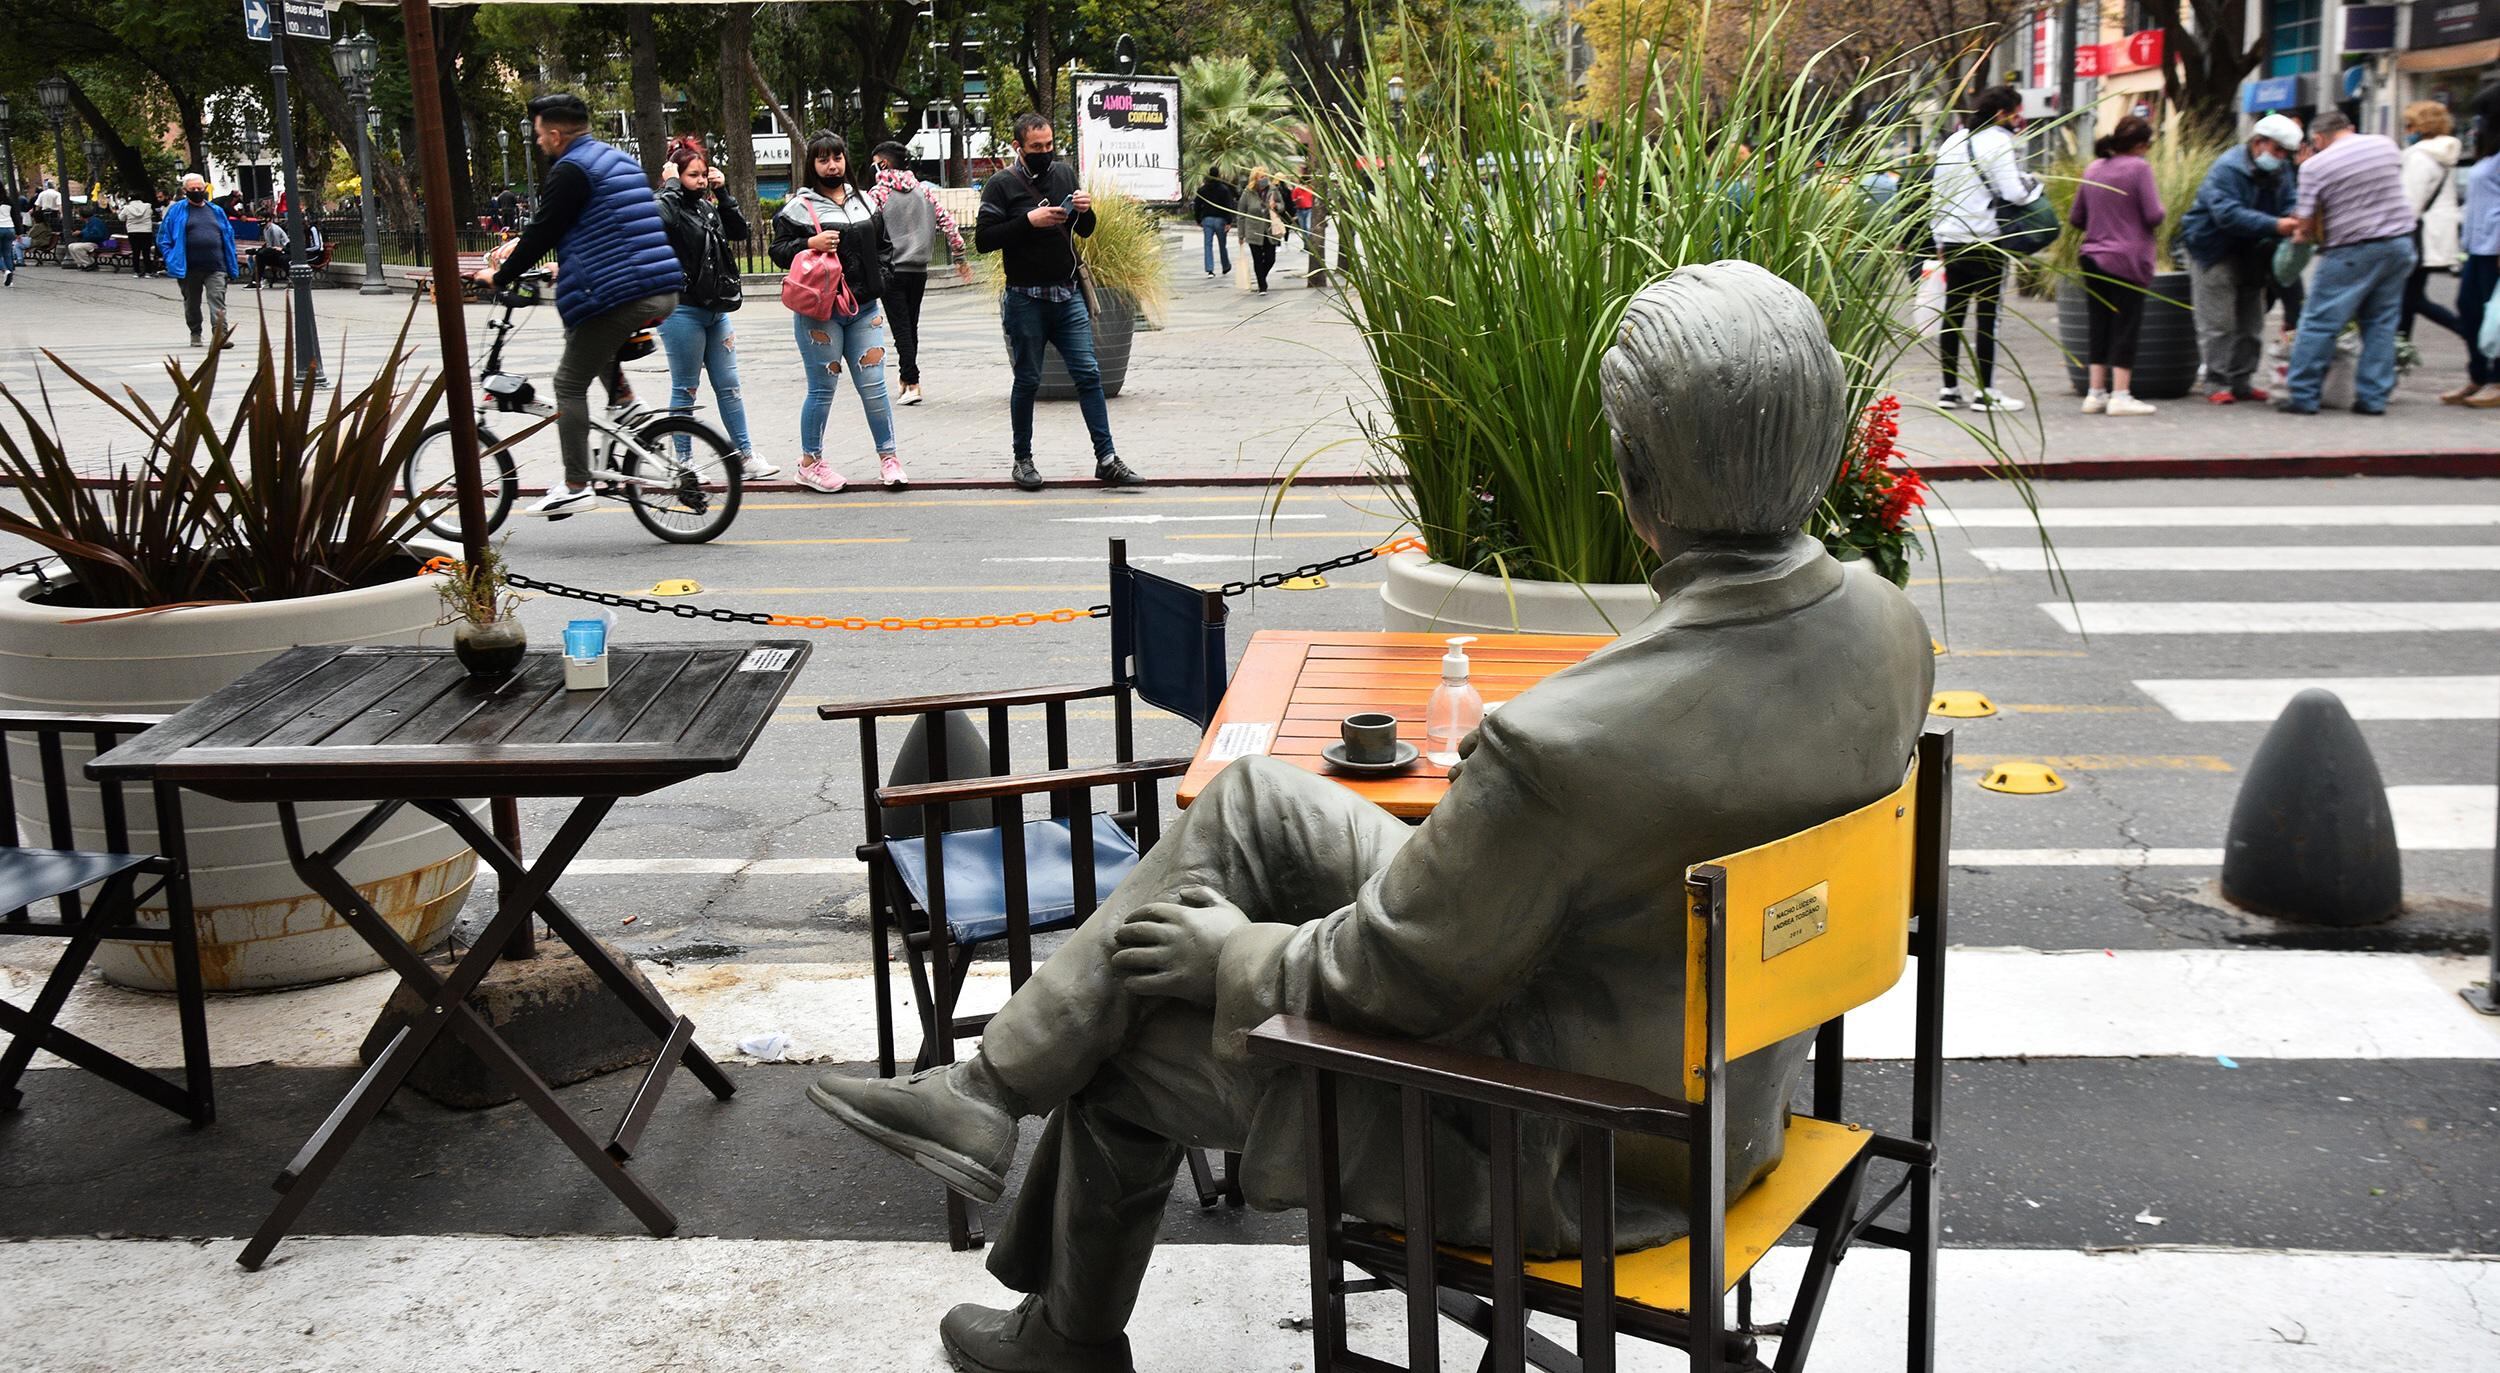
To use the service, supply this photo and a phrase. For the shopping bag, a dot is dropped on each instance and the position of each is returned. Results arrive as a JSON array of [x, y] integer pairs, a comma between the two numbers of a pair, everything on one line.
[[1927, 307]]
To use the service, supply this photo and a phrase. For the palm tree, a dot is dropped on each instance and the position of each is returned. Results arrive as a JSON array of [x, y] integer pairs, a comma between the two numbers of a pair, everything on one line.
[[1234, 117]]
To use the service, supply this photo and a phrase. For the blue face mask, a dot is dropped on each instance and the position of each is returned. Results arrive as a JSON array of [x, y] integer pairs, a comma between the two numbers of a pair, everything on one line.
[[2268, 162], [2412, 138]]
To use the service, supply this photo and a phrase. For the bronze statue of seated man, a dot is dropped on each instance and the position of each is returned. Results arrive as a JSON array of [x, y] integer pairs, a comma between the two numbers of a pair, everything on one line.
[[1534, 916]]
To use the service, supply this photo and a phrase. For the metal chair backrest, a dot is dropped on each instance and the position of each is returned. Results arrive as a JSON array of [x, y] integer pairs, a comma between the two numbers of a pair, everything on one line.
[[1167, 640], [1813, 925]]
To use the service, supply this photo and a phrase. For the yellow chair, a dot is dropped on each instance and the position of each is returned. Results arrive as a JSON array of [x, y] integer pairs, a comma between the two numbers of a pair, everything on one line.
[[1780, 939]]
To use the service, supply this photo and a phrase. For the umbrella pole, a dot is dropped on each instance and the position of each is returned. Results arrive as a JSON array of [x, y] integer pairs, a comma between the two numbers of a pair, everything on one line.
[[451, 321]]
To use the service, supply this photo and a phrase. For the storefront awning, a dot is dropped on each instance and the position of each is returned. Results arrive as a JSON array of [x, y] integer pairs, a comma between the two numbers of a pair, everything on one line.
[[2451, 58]]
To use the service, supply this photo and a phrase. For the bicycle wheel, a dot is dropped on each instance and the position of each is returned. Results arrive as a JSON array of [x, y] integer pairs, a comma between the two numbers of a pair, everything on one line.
[[427, 478], [683, 501]]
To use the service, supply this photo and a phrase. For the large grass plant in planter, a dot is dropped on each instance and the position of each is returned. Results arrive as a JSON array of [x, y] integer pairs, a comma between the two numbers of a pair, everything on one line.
[[2167, 357], [221, 543], [1494, 243]]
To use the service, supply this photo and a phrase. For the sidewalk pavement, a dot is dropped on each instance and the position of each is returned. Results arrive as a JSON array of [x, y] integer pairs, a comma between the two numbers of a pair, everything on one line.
[[1233, 388]]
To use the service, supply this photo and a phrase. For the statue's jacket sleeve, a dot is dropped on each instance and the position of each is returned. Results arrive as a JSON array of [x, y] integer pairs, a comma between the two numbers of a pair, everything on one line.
[[1457, 922]]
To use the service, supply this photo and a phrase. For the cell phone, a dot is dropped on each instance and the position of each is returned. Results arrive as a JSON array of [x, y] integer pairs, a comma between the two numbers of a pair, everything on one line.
[[1066, 202]]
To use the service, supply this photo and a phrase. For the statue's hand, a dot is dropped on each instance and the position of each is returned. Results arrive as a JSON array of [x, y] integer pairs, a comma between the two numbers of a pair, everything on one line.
[[1171, 948]]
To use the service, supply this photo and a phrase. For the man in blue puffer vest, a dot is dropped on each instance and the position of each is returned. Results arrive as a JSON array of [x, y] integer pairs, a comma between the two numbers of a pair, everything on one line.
[[597, 213]]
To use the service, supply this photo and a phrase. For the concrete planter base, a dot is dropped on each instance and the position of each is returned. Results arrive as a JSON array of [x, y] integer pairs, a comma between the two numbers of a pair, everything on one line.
[[1423, 596]]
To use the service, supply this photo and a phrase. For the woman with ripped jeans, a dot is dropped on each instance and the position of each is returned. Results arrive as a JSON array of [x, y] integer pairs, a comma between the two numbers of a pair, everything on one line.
[[829, 214], [702, 222]]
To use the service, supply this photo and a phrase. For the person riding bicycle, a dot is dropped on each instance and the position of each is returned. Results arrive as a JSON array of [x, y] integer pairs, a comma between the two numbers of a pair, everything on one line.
[[597, 213]]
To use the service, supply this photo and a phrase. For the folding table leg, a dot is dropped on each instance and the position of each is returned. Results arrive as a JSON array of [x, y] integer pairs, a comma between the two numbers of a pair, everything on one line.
[[447, 1002], [190, 993], [539, 879]]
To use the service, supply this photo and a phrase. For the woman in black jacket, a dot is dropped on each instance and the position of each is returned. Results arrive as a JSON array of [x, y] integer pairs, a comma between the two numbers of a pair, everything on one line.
[[827, 214], [702, 222], [1217, 199]]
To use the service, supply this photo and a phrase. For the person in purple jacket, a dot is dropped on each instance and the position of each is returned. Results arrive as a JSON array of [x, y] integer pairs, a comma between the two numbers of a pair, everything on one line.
[[2118, 207]]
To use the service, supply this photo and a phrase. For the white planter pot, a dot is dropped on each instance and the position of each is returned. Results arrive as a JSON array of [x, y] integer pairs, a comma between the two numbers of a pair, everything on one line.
[[259, 926], [1428, 597]]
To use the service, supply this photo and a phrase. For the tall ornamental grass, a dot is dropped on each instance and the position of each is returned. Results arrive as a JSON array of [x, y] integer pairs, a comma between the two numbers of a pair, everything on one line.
[[1495, 241]]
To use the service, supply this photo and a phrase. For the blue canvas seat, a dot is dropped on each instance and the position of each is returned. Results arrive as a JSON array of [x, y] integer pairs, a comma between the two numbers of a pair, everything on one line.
[[1003, 878], [976, 886], [94, 895]]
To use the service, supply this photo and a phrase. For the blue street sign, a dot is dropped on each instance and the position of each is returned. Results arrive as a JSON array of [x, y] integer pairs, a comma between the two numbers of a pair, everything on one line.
[[256, 20], [2272, 93]]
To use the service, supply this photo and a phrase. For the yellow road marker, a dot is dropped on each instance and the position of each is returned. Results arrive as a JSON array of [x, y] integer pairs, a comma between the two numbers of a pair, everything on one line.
[[1303, 584], [2023, 779], [1961, 705], [676, 586]]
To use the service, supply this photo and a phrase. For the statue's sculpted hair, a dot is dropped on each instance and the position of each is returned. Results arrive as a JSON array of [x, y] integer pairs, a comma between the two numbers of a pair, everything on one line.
[[1727, 402]]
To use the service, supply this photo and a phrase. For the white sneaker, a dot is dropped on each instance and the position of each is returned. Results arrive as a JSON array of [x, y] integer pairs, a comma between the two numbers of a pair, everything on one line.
[[756, 470], [1950, 398], [911, 395], [562, 500], [2095, 402], [2122, 403], [1993, 399]]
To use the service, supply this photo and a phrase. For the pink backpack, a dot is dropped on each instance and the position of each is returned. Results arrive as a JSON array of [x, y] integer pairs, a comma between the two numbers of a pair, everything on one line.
[[814, 286]]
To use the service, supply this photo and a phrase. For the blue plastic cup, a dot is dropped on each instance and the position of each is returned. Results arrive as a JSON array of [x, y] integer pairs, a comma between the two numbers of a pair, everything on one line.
[[585, 638]]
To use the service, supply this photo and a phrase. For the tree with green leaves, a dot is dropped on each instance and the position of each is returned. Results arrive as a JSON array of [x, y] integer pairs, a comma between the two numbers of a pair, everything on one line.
[[1234, 116]]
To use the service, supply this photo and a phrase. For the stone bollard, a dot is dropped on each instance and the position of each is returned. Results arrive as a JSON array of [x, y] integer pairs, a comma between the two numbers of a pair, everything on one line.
[[2311, 837]]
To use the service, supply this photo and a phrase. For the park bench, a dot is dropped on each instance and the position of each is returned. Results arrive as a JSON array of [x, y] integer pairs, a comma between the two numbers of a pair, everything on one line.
[[1780, 940], [470, 265]]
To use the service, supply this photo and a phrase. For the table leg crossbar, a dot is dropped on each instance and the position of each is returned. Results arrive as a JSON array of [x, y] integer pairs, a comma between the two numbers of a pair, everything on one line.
[[524, 891]]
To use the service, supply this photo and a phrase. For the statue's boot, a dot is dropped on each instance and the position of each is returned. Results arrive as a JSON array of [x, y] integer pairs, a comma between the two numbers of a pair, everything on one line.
[[957, 1121], [980, 1339]]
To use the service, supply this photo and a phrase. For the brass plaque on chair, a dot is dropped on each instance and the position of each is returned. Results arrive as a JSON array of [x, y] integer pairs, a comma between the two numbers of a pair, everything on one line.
[[1787, 924]]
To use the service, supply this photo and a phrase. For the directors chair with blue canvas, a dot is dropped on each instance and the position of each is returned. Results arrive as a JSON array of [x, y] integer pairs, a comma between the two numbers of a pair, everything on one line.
[[1781, 939], [949, 876], [95, 879]]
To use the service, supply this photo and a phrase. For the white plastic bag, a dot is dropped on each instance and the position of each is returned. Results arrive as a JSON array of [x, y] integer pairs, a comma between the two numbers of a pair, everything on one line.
[[1927, 307]]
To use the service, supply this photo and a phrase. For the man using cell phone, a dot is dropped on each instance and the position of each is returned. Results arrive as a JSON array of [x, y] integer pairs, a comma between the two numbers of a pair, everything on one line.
[[1031, 215]]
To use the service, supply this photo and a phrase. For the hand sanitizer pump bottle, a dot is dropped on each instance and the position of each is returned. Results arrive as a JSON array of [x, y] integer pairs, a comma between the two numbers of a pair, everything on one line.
[[1454, 709]]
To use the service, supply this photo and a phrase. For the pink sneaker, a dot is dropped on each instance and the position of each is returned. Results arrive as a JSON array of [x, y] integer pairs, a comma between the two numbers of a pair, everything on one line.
[[816, 475], [890, 471]]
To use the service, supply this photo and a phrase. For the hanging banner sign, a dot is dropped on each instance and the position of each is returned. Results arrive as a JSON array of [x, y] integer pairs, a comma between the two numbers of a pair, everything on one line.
[[1128, 134], [2138, 51]]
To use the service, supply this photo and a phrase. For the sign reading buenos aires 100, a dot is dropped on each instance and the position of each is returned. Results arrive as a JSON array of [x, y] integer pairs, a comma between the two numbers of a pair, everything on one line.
[[1129, 135]]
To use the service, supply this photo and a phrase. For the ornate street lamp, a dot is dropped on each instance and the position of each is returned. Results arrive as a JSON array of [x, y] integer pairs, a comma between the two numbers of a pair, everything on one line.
[[354, 60], [249, 143], [52, 93], [503, 157], [1397, 101]]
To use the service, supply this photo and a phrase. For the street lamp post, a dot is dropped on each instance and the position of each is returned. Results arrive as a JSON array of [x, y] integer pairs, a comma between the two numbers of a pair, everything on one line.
[[955, 143], [8, 154], [52, 93], [249, 143], [503, 157], [353, 59], [529, 139], [298, 266]]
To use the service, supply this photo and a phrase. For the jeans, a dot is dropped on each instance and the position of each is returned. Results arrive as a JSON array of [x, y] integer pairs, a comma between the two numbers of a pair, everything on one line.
[[204, 280], [903, 294], [1215, 236], [590, 354], [699, 341], [2358, 281], [1064, 325], [2475, 281], [1302, 220], [826, 346], [2230, 321], [1974, 277]]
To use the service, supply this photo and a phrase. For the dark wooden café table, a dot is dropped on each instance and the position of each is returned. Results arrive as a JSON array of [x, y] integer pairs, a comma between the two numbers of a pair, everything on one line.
[[405, 726]]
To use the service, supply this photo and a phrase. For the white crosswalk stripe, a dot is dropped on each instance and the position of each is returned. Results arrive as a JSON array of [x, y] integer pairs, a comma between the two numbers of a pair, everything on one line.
[[2324, 515], [2368, 698], [2273, 617], [2249, 558]]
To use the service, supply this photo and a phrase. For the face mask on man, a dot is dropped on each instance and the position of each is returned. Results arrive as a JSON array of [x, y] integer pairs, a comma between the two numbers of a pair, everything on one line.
[[1038, 163], [2269, 162], [196, 197]]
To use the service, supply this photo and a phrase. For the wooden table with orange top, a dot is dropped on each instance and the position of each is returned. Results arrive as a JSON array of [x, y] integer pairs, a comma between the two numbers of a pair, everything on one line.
[[1294, 687]]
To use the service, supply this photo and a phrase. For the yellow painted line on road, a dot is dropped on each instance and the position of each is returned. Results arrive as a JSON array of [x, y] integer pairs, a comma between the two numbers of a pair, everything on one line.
[[1338, 534], [2044, 709], [2015, 653], [1251, 496], [783, 543], [2102, 762]]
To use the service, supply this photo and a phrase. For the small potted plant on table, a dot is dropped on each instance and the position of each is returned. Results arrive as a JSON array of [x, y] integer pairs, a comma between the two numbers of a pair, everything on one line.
[[484, 613]]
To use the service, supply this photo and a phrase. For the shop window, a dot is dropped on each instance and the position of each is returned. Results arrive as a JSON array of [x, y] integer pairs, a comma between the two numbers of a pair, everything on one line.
[[2295, 31]]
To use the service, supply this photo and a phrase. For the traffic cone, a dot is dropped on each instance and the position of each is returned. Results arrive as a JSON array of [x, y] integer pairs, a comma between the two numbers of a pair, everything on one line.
[[2311, 836]]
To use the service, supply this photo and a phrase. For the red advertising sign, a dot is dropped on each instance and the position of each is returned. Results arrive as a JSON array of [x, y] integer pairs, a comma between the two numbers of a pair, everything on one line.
[[2139, 51]]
